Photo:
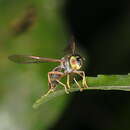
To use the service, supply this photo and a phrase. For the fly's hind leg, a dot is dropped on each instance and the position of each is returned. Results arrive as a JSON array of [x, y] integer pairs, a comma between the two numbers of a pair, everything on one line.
[[49, 91], [53, 80], [66, 89], [51, 86]]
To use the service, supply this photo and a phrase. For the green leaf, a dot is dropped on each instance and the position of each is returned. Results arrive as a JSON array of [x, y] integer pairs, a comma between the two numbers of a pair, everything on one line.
[[101, 82]]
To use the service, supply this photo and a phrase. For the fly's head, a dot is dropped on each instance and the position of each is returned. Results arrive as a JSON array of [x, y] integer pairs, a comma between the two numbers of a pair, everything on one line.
[[76, 62]]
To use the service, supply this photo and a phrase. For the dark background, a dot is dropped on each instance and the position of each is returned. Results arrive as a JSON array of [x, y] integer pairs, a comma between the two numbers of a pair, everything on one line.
[[102, 28]]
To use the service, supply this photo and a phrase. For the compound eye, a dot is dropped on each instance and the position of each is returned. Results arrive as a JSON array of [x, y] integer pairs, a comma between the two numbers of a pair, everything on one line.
[[79, 60]]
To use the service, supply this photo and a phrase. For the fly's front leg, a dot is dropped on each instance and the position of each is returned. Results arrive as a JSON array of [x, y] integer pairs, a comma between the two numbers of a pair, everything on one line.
[[82, 74], [68, 81], [81, 89]]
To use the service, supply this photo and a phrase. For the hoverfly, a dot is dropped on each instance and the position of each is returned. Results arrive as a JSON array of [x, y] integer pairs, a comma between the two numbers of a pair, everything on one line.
[[69, 64]]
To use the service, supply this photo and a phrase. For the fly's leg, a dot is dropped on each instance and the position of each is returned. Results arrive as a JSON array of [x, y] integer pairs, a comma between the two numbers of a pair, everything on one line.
[[50, 84], [84, 80], [52, 76], [49, 80], [49, 91], [55, 76], [66, 89], [68, 81], [81, 89], [82, 74]]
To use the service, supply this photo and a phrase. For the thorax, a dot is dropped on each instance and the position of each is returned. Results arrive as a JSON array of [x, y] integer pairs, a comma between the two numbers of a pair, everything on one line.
[[65, 65]]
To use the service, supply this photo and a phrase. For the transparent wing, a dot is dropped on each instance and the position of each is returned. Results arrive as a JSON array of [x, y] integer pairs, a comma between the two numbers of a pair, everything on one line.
[[24, 59], [71, 46]]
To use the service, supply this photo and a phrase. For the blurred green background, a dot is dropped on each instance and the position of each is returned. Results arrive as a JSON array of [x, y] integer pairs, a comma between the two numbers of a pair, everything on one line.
[[42, 28], [32, 28]]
